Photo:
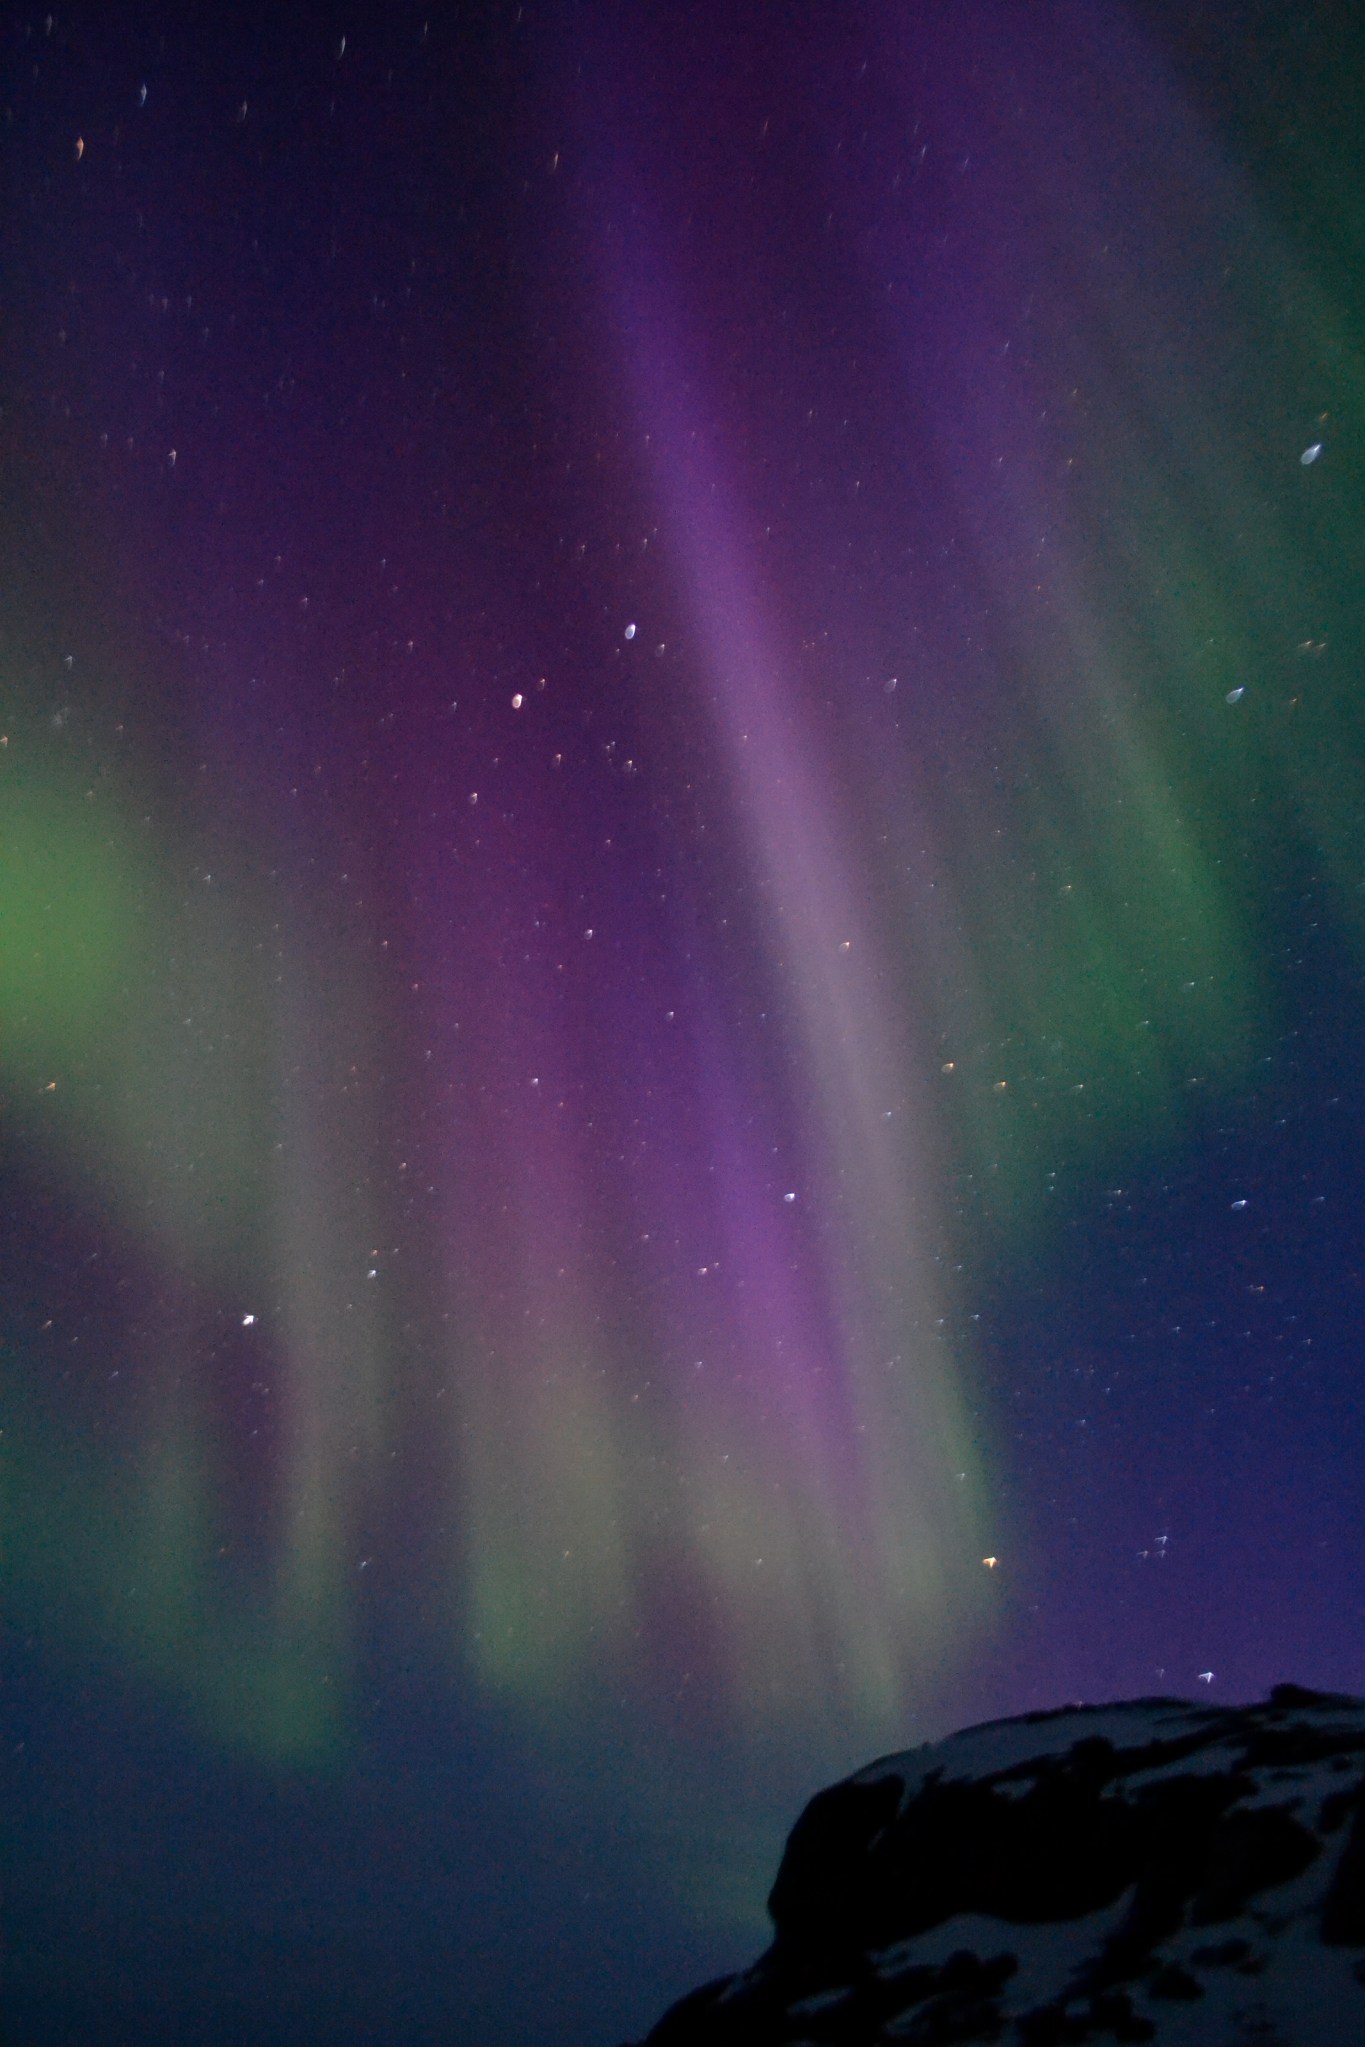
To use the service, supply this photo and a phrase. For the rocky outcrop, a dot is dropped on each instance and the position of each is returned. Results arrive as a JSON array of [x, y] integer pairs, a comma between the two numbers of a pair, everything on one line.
[[1157, 1871]]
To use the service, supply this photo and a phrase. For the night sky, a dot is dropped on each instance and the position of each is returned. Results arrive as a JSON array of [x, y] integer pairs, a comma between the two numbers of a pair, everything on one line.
[[682, 952]]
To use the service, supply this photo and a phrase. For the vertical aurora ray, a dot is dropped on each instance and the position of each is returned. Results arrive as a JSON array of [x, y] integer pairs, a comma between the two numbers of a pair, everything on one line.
[[674, 1363], [199, 1418], [864, 1418], [1110, 558], [1075, 841], [704, 1422]]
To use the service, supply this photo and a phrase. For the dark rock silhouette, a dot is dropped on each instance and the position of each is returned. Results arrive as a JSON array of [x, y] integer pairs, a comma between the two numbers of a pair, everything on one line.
[[1158, 1871]]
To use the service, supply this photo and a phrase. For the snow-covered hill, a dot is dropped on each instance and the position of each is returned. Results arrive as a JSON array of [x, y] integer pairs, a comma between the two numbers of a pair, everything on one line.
[[1158, 1871]]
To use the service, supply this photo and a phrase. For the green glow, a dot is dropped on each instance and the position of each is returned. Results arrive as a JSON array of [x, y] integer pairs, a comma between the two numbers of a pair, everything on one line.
[[141, 1036], [71, 922], [127, 1554]]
